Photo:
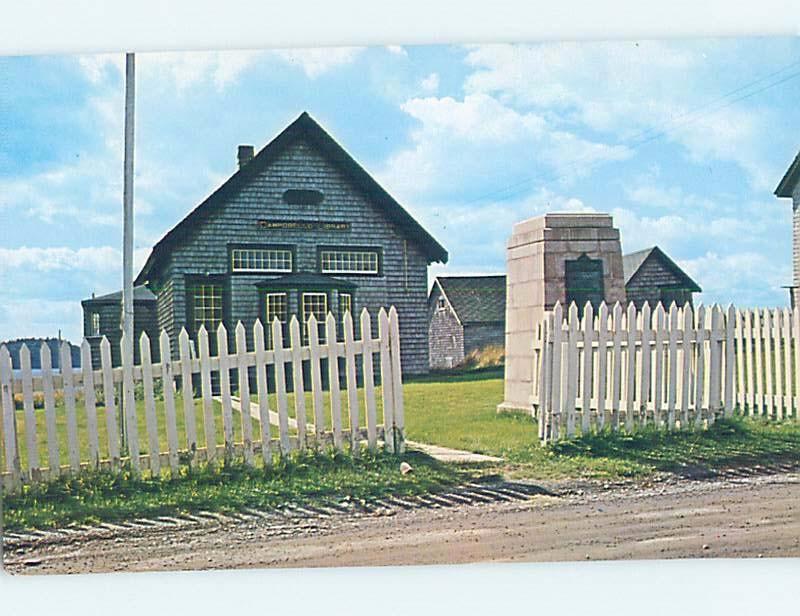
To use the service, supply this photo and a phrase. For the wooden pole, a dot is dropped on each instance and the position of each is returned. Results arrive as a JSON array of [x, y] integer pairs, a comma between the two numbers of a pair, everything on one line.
[[127, 207]]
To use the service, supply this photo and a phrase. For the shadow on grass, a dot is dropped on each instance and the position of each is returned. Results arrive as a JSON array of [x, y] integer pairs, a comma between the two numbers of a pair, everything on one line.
[[457, 375], [750, 446]]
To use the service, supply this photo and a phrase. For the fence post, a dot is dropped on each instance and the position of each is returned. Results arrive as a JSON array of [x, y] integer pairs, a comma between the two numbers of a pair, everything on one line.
[[9, 419], [545, 360], [350, 375], [386, 380], [397, 382], [369, 379]]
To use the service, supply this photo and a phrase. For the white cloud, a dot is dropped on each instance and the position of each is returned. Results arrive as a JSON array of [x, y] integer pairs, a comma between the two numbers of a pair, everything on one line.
[[430, 83], [22, 318], [94, 259], [314, 62], [634, 91], [397, 50]]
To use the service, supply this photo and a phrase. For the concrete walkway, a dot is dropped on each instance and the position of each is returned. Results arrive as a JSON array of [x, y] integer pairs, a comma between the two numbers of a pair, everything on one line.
[[443, 454]]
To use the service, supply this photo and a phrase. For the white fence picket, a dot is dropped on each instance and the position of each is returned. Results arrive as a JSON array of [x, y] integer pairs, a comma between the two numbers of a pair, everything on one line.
[[369, 379], [168, 387], [672, 365], [397, 380], [658, 366], [207, 394], [786, 329], [315, 353], [587, 376], [297, 381], [151, 422], [187, 392], [796, 336], [225, 390], [263, 392], [53, 453], [13, 466], [280, 384], [777, 323], [67, 376], [387, 395], [90, 405], [244, 393], [630, 365], [616, 366], [29, 413], [350, 374], [334, 390], [749, 342], [110, 403], [759, 402]]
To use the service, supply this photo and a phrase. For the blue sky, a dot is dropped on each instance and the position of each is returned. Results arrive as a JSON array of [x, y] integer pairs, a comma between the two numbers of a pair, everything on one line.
[[682, 141]]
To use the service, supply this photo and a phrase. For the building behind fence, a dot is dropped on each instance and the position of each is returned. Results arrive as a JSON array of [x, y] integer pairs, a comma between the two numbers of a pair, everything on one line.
[[624, 369], [83, 410]]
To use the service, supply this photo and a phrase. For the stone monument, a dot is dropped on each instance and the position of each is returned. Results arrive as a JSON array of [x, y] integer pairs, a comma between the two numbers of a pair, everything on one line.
[[554, 258]]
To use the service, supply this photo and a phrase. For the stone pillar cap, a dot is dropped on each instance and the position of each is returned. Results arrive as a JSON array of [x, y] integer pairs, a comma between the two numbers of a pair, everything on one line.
[[555, 220]]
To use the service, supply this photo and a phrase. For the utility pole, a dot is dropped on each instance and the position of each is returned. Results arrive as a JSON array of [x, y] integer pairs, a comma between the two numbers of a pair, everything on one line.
[[127, 223]]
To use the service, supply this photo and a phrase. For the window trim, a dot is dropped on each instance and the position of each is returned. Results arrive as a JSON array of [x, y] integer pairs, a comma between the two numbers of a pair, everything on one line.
[[191, 281], [320, 323], [285, 296], [94, 319], [290, 248], [342, 312], [333, 248]]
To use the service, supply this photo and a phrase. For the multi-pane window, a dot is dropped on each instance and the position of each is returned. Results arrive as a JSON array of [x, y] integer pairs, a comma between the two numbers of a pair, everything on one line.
[[349, 261], [345, 304], [316, 304], [276, 307], [206, 303], [95, 324], [261, 260]]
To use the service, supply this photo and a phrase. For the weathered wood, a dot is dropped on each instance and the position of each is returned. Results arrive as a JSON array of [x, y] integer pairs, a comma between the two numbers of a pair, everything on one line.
[[602, 365], [387, 394], [53, 454], [333, 381], [700, 364], [206, 393], [777, 322], [90, 404], [616, 366], [646, 363], [316, 378], [154, 447], [672, 366], [9, 419], [630, 366], [687, 354], [225, 389], [32, 447], [69, 406], [189, 418], [786, 329], [170, 415], [369, 380], [263, 392], [350, 370], [297, 381], [750, 338], [658, 368], [587, 363], [280, 385], [397, 381]]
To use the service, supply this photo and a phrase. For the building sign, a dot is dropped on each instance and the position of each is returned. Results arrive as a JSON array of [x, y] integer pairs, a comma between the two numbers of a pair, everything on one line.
[[304, 225], [584, 282]]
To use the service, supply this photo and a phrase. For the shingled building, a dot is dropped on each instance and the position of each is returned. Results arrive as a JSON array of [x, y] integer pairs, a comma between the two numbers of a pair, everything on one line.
[[300, 229], [465, 313], [652, 277]]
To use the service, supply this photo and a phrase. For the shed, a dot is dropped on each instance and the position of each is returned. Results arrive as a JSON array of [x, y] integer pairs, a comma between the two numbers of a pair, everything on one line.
[[652, 277]]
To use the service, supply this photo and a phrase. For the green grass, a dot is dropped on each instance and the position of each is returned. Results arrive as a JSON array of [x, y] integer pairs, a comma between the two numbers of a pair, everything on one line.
[[308, 478]]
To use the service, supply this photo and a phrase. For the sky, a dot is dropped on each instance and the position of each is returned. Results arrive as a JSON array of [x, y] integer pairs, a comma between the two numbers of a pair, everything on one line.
[[682, 141]]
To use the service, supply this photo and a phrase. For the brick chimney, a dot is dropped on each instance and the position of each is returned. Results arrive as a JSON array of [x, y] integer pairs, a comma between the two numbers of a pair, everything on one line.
[[245, 154]]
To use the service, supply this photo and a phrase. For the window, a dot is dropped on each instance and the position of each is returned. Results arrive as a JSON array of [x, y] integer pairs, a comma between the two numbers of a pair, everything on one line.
[[316, 304], [261, 260], [95, 331], [442, 303], [348, 261], [276, 307], [206, 304], [345, 304]]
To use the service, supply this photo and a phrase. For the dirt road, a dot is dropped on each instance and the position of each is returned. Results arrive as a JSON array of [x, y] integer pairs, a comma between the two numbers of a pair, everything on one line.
[[734, 517]]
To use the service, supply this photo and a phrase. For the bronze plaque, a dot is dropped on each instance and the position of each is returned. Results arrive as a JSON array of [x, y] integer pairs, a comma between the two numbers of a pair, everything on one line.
[[584, 282]]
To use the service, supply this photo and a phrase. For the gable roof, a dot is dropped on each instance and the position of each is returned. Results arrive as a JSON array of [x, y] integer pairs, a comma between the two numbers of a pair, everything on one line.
[[790, 178], [140, 294], [303, 127], [632, 263], [475, 299]]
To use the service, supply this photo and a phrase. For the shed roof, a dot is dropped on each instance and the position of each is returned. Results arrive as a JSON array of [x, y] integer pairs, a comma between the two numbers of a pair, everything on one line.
[[476, 299], [632, 263], [303, 127], [140, 294]]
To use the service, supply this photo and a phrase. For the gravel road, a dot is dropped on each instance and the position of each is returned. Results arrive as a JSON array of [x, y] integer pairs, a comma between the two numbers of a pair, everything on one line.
[[749, 516]]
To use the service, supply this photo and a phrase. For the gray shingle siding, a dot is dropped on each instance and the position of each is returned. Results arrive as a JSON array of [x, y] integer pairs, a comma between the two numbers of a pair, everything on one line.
[[145, 319], [481, 335], [647, 284], [403, 279], [445, 334]]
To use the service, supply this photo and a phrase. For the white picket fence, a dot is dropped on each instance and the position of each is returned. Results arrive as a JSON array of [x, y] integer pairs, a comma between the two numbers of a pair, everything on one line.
[[161, 447], [625, 369]]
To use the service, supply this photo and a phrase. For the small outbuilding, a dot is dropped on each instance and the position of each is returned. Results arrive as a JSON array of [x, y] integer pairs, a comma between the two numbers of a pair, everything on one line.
[[464, 313], [652, 277]]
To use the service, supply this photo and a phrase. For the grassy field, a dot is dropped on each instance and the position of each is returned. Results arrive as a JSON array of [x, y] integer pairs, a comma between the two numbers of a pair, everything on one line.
[[454, 410]]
